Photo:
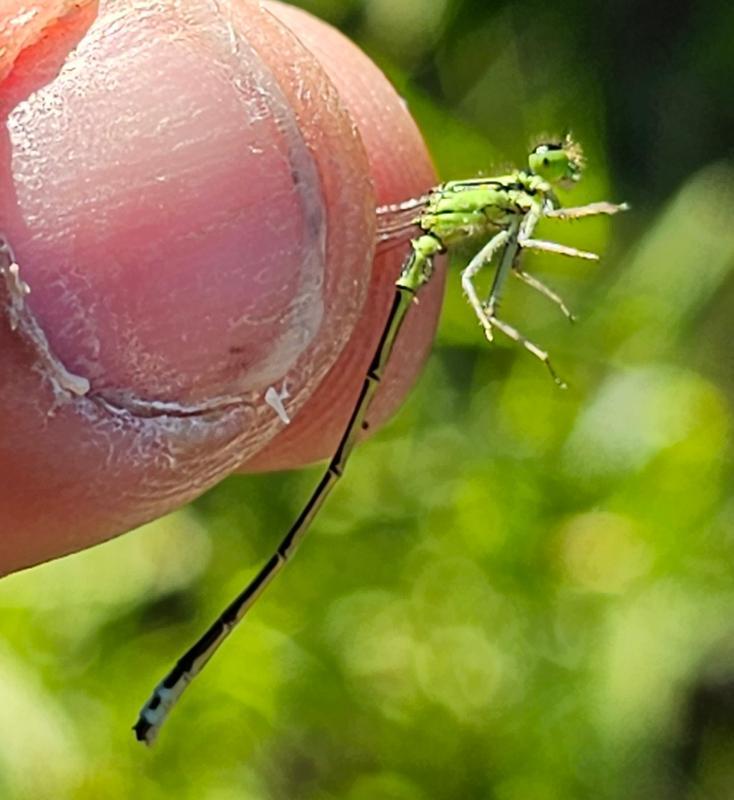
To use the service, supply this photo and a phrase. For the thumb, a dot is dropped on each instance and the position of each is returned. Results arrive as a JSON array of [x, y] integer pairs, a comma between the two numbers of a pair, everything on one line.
[[191, 204]]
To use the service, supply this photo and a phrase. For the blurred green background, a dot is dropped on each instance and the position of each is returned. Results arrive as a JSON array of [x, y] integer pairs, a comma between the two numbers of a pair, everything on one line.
[[518, 593]]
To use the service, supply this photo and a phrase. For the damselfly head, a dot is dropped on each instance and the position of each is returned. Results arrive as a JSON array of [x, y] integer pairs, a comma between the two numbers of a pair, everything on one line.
[[559, 162]]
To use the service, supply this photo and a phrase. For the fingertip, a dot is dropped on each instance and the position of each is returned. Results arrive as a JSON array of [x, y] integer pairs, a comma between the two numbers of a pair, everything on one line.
[[169, 229]]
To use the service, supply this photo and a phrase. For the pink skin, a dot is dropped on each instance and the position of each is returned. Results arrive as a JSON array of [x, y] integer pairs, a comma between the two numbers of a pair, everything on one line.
[[193, 209]]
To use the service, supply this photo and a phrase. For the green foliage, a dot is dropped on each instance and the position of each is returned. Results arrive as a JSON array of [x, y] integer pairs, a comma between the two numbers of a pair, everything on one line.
[[517, 593]]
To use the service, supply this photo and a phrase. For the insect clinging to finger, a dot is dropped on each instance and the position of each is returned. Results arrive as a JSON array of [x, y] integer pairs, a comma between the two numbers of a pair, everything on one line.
[[502, 214]]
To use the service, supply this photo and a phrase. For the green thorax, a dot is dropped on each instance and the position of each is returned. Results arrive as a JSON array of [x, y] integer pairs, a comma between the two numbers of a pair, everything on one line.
[[459, 209]]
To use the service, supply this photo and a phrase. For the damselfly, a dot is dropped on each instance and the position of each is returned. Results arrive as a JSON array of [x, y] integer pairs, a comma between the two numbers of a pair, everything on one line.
[[501, 213]]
